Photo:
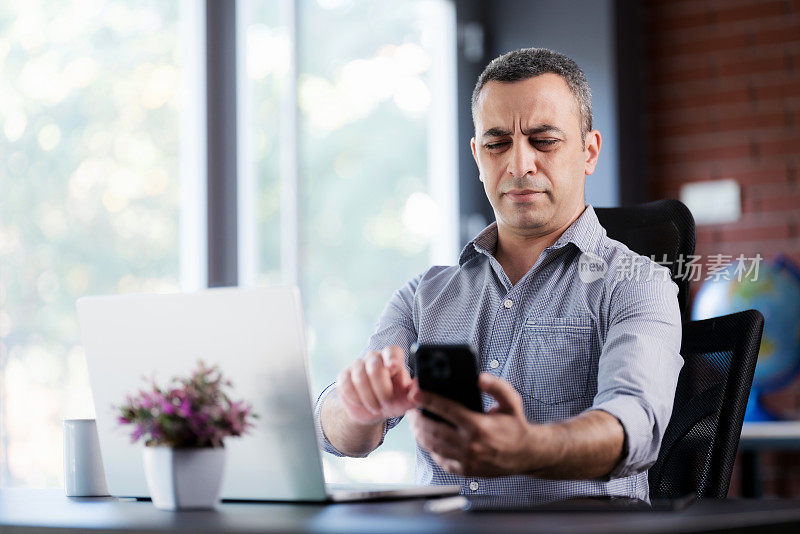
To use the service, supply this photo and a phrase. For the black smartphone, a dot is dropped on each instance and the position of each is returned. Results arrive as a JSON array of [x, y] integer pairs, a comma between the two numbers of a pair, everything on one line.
[[449, 371]]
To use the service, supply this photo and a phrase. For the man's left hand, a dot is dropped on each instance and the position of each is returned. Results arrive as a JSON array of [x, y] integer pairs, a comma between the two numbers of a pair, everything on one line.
[[481, 444]]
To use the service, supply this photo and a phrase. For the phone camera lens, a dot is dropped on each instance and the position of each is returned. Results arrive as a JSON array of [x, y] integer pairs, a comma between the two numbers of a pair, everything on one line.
[[439, 368]]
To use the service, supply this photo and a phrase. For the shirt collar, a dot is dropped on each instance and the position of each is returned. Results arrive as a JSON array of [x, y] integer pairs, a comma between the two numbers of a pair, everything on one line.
[[585, 233]]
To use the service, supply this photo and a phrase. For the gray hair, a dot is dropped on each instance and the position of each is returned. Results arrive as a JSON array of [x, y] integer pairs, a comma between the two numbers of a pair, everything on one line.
[[530, 62]]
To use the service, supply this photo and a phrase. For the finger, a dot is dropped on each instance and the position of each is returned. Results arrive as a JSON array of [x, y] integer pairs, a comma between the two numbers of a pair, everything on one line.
[[358, 375], [436, 437], [345, 390], [401, 403], [507, 398], [400, 399], [352, 404], [355, 409], [459, 415], [400, 379], [379, 380], [441, 437], [438, 430], [403, 383], [411, 392], [394, 358]]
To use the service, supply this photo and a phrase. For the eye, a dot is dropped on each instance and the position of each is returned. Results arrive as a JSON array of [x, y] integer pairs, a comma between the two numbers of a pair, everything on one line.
[[496, 146], [543, 143]]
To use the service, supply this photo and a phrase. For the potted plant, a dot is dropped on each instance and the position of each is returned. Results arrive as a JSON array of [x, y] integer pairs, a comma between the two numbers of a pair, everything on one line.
[[183, 426]]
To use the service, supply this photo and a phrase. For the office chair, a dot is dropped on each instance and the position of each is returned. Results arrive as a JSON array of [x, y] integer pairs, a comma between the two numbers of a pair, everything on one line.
[[655, 229], [700, 442]]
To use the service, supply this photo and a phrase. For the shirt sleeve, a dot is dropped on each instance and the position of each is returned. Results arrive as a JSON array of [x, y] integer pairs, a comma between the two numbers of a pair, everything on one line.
[[639, 366], [396, 326]]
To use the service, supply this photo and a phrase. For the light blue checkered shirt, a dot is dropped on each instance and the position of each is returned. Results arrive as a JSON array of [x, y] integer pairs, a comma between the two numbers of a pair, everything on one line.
[[568, 343]]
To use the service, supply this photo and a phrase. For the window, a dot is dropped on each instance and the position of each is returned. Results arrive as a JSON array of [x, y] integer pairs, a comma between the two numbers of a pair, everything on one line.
[[356, 185], [91, 107], [346, 185]]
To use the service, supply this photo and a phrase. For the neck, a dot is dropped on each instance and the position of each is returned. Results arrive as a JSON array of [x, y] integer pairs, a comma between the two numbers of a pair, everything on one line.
[[517, 252]]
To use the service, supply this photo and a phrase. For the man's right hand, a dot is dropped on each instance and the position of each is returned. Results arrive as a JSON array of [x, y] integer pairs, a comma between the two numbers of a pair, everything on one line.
[[376, 387]]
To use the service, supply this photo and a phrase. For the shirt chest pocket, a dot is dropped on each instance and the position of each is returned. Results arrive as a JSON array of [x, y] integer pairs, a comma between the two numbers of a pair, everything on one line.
[[554, 358]]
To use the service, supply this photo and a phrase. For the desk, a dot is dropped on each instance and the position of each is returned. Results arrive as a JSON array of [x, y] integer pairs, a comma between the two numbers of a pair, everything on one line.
[[25, 510], [771, 435]]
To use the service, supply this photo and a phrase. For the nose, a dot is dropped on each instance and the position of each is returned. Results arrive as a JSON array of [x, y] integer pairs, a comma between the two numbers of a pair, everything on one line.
[[522, 161]]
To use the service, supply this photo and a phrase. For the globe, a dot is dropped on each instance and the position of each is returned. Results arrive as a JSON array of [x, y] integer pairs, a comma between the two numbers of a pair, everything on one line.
[[775, 292]]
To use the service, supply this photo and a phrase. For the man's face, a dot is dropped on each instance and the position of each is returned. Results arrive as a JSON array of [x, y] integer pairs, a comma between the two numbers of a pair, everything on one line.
[[529, 149]]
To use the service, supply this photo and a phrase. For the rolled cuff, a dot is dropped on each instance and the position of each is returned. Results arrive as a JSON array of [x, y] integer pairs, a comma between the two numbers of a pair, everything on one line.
[[640, 446], [322, 439]]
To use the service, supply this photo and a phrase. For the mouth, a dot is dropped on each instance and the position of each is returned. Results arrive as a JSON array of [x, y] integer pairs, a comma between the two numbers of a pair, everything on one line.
[[525, 195]]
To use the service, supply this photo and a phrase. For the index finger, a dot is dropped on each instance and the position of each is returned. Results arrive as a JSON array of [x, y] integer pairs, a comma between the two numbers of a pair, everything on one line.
[[394, 358]]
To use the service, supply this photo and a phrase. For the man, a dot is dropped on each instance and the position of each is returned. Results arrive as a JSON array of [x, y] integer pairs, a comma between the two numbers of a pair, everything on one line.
[[577, 336]]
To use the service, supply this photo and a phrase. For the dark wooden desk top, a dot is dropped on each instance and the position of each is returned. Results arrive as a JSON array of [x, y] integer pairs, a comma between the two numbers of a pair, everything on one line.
[[26, 510]]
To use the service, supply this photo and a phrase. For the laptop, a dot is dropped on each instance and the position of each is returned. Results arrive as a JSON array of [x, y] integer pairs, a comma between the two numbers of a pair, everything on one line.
[[257, 337]]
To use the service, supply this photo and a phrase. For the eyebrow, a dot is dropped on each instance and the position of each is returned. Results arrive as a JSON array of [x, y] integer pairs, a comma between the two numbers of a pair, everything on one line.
[[496, 132], [545, 128], [542, 128]]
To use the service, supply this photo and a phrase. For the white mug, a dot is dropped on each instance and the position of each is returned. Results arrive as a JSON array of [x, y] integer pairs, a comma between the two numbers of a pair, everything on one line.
[[83, 465]]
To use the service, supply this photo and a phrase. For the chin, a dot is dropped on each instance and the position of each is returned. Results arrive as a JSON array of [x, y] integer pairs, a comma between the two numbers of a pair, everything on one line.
[[528, 221]]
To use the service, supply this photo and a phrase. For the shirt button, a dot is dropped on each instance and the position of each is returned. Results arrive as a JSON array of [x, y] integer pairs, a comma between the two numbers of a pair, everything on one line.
[[508, 303], [494, 364], [473, 486]]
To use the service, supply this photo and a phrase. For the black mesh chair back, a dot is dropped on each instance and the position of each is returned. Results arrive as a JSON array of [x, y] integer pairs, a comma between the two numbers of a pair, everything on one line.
[[663, 230], [700, 442]]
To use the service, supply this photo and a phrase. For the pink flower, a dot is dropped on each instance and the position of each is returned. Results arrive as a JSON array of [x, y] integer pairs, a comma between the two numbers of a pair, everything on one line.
[[186, 408], [167, 407], [189, 412]]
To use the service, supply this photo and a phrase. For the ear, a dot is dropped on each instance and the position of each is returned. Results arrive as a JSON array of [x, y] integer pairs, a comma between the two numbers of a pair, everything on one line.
[[592, 151], [474, 149]]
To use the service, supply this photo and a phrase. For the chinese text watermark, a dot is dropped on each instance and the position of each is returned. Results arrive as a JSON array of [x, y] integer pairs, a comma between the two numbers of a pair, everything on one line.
[[690, 267]]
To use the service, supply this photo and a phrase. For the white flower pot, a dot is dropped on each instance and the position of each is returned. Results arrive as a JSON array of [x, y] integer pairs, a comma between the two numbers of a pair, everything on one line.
[[184, 479]]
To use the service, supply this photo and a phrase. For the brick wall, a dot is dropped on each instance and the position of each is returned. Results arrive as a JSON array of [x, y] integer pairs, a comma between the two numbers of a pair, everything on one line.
[[722, 96]]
